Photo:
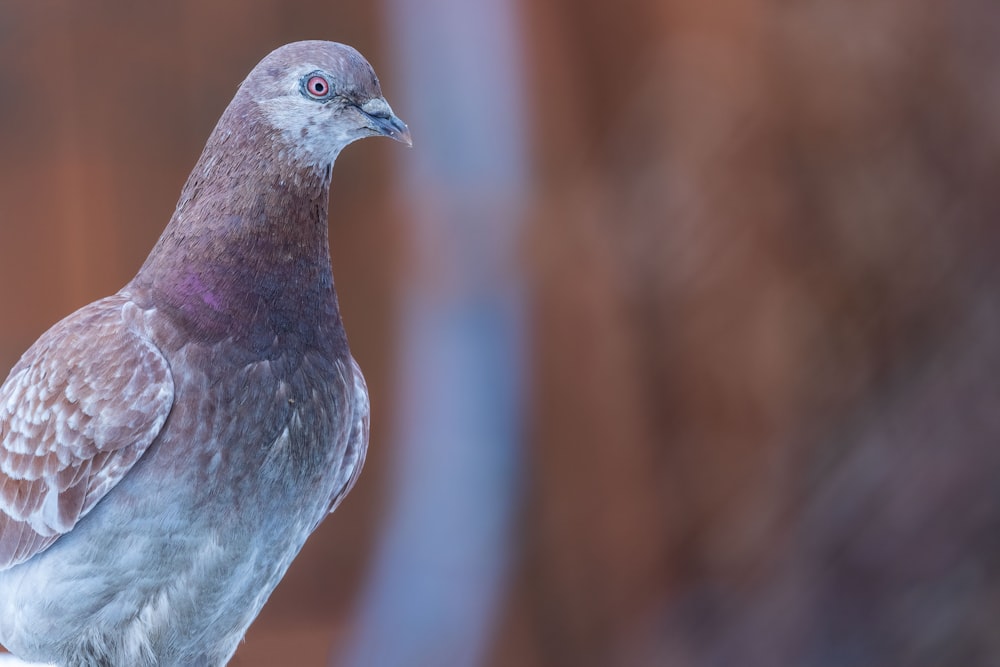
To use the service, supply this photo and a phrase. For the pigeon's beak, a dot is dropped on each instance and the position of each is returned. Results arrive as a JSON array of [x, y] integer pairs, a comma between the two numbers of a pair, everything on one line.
[[385, 122]]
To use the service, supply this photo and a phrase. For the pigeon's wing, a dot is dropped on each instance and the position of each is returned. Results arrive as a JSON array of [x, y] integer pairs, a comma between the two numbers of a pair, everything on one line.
[[76, 412], [357, 439]]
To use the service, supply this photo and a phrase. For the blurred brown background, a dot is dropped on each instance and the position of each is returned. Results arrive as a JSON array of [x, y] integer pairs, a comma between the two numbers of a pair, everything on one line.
[[761, 256]]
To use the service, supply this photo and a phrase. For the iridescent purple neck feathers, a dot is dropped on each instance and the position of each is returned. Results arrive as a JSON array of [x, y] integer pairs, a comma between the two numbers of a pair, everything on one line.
[[247, 249]]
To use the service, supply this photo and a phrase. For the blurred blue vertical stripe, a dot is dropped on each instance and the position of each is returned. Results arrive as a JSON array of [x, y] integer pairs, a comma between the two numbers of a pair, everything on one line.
[[443, 558]]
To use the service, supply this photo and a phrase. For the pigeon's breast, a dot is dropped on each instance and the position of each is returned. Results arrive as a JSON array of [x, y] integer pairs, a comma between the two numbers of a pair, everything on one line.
[[250, 456], [269, 424], [187, 547]]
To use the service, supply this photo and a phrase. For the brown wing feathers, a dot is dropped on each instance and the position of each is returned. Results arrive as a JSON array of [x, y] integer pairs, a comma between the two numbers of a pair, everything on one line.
[[75, 414]]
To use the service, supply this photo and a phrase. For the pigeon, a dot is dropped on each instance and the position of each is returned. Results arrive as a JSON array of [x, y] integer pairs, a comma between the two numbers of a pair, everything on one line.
[[166, 451]]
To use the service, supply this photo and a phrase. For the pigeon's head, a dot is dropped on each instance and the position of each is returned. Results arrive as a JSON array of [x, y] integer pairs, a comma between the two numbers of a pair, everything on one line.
[[319, 97]]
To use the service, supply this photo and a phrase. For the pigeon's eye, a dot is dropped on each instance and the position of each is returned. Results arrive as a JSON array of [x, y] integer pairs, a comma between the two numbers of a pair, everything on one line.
[[317, 86]]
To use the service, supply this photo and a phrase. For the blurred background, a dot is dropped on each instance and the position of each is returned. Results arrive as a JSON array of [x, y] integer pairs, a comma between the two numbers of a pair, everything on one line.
[[680, 319]]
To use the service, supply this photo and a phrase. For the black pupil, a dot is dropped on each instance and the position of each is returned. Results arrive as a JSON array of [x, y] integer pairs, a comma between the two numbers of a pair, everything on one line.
[[319, 86]]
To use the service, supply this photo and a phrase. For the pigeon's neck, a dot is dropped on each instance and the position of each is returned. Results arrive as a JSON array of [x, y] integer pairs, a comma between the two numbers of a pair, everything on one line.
[[246, 252]]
